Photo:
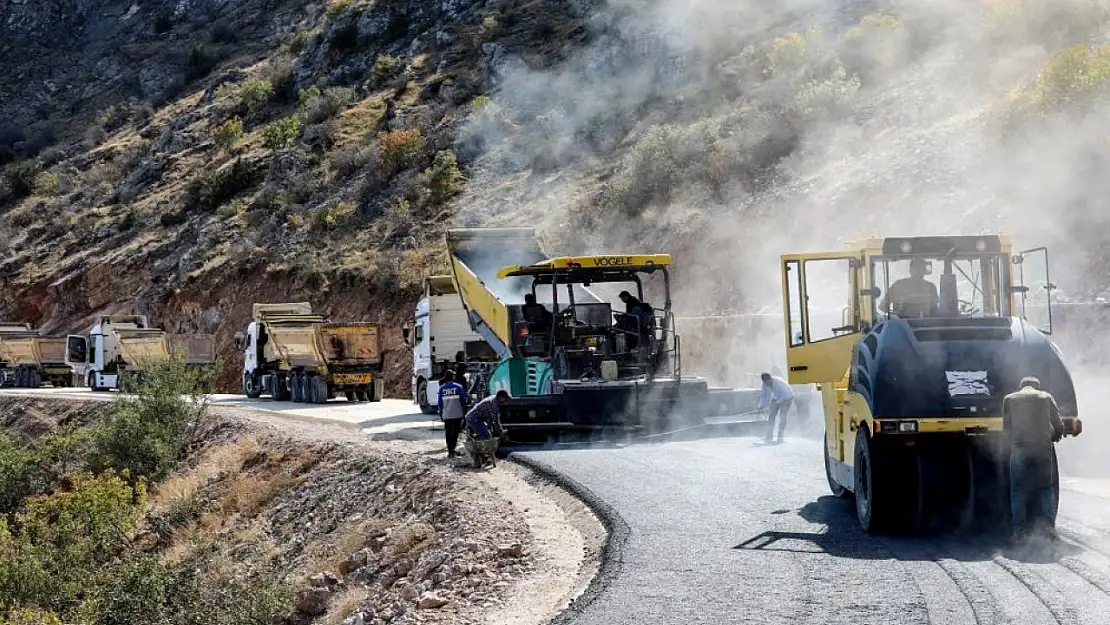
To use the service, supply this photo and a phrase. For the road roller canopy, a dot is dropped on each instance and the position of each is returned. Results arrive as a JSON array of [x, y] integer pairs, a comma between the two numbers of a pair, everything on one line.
[[608, 268], [966, 282]]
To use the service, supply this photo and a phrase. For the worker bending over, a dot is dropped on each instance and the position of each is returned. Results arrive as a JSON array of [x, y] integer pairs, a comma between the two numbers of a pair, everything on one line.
[[778, 396], [1031, 421], [484, 419]]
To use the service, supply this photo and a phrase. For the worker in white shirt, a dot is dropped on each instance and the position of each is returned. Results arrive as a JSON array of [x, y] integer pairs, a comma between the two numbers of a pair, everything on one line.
[[777, 396]]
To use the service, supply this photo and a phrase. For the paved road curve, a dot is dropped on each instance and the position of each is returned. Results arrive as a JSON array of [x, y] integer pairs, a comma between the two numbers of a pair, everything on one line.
[[735, 531]]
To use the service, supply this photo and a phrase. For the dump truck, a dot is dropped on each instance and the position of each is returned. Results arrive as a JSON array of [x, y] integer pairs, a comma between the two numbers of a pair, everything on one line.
[[118, 348], [912, 385], [27, 359], [291, 353], [441, 338], [581, 365]]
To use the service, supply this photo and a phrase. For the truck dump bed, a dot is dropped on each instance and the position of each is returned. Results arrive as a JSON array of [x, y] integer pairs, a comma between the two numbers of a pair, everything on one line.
[[52, 350], [194, 349], [477, 254], [350, 344], [292, 339], [138, 347]]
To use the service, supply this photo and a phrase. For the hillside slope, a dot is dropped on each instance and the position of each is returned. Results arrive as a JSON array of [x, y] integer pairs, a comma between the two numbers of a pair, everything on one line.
[[185, 159]]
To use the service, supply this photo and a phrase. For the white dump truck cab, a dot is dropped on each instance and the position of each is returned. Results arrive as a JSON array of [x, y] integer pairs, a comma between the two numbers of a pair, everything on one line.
[[95, 358], [439, 337]]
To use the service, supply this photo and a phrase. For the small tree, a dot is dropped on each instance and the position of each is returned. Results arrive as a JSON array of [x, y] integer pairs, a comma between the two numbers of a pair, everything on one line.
[[443, 179], [256, 93], [282, 133], [399, 149], [227, 134]]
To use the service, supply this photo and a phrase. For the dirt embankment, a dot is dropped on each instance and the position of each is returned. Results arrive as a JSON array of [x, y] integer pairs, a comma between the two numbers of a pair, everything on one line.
[[366, 532]]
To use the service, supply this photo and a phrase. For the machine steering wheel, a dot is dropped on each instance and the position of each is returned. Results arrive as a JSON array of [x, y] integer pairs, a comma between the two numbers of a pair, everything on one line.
[[967, 309]]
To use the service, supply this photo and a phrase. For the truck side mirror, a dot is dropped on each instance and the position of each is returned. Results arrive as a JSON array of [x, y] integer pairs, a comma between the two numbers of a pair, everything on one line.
[[240, 340], [873, 292], [406, 332]]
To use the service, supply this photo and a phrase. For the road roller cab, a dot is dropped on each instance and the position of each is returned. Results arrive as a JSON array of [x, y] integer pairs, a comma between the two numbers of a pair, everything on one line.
[[914, 342]]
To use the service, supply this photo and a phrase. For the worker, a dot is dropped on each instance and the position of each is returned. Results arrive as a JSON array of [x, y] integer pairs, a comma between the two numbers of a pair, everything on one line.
[[452, 409], [776, 396], [640, 317], [537, 315], [913, 296], [461, 375], [484, 419], [1031, 422]]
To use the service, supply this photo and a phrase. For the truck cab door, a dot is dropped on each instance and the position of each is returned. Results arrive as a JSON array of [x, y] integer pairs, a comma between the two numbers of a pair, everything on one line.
[[821, 295], [1035, 288], [77, 356]]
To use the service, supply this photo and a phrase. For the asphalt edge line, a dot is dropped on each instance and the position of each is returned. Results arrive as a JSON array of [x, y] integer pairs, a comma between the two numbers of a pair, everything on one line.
[[612, 549]]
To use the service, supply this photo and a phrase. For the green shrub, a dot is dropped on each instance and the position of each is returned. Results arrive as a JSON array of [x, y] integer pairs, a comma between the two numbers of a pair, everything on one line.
[[282, 133], [330, 216], [61, 541], [787, 53], [202, 60], [227, 134], [386, 67], [317, 107], [256, 93], [20, 475], [348, 159], [1074, 79], [399, 149], [28, 616], [210, 188], [443, 180], [149, 430], [336, 8], [20, 178]]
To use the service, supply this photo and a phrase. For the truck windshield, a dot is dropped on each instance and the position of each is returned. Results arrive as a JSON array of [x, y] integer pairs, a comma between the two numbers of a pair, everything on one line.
[[920, 286]]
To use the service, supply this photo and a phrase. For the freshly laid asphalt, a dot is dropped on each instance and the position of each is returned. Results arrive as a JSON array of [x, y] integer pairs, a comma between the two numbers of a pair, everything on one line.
[[727, 529], [732, 530]]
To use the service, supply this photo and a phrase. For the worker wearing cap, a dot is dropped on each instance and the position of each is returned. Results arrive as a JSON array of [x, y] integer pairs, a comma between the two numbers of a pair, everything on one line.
[[913, 296], [1031, 421], [777, 396]]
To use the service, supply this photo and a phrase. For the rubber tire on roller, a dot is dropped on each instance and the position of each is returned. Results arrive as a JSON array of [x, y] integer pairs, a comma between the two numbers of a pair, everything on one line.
[[871, 510], [834, 486]]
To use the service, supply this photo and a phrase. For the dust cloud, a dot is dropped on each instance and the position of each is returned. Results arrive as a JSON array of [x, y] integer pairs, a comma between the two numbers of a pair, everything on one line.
[[730, 132]]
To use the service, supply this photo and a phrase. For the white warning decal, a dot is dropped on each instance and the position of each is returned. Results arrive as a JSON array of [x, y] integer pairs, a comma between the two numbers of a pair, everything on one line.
[[967, 383]]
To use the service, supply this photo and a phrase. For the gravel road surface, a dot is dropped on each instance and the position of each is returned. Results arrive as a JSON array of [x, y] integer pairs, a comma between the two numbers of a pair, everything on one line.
[[730, 530]]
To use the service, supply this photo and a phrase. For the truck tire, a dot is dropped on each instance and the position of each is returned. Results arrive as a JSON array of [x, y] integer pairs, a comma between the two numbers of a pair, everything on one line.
[[92, 383], [350, 395], [20, 377], [376, 389], [321, 389], [296, 387], [361, 393], [251, 388], [36, 379], [280, 391], [309, 388], [422, 398]]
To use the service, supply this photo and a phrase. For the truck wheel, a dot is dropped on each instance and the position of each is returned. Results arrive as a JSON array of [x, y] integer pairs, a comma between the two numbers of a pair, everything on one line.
[[321, 386], [375, 389], [280, 390], [20, 377], [834, 486], [871, 497], [350, 395], [251, 387], [308, 384], [296, 387], [92, 383], [422, 398], [362, 394], [36, 379]]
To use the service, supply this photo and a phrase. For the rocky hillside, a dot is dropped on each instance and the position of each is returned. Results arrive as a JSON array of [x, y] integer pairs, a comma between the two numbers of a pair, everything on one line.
[[187, 158]]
